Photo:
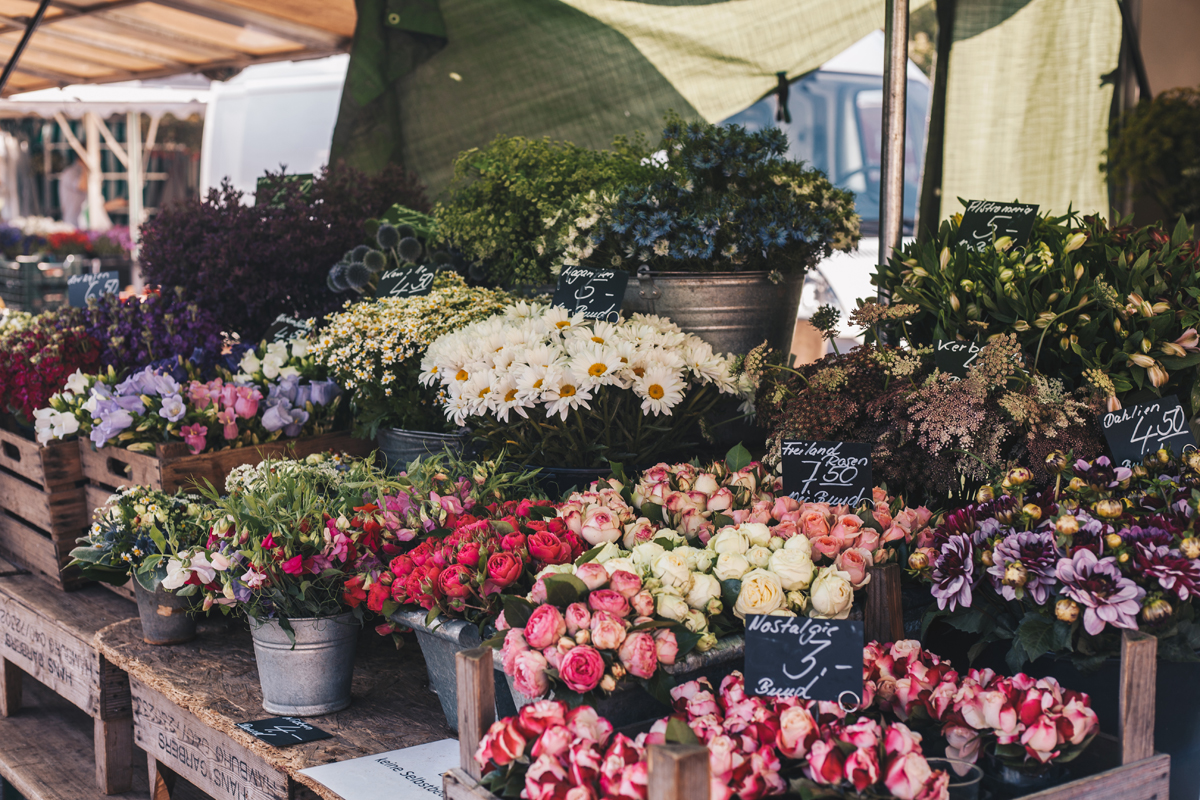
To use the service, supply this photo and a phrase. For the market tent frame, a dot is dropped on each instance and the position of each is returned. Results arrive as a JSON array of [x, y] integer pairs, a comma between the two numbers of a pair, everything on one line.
[[106, 41]]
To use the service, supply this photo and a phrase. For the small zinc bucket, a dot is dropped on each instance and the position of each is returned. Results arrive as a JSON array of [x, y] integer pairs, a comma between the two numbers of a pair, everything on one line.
[[165, 617], [313, 676]]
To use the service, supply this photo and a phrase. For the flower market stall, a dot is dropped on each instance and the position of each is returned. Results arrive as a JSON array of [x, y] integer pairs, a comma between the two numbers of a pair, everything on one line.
[[436, 468]]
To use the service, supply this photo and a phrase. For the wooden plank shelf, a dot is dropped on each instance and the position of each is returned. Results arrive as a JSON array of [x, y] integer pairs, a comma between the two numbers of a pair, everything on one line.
[[188, 699], [42, 506], [48, 636]]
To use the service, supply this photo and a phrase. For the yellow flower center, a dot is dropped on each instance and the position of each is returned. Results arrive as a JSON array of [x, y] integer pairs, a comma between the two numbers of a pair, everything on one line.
[[655, 391], [537, 384], [639, 371], [434, 371], [598, 339], [564, 324], [462, 375], [567, 390], [510, 395], [596, 370], [483, 392]]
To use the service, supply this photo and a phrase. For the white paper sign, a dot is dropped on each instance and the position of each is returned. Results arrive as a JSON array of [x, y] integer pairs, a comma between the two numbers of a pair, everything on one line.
[[414, 773]]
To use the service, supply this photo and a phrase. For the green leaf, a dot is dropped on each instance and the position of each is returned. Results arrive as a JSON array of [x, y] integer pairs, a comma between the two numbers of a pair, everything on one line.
[[516, 610], [679, 732], [589, 556], [1039, 635], [659, 686], [562, 590], [618, 471], [730, 589], [666, 544], [652, 512], [720, 521], [1182, 232], [496, 642], [738, 457], [432, 615]]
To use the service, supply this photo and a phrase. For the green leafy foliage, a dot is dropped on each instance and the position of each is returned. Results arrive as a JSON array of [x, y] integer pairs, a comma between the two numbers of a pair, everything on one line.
[[1156, 146]]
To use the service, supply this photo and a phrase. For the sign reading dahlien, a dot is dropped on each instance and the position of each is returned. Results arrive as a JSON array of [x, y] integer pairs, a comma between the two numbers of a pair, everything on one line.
[[286, 328], [412, 281], [985, 221], [596, 293], [810, 659], [838, 473], [89, 284], [1146, 427]]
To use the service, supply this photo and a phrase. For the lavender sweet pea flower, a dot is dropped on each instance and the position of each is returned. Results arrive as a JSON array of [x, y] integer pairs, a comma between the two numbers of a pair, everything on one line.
[[324, 392], [1108, 597], [173, 408], [241, 592]]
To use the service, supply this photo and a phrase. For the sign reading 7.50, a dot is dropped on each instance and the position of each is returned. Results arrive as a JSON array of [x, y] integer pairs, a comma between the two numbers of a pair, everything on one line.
[[838, 473]]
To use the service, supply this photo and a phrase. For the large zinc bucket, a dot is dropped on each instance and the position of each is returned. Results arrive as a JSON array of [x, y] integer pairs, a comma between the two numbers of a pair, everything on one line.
[[400, 447], [732, 311], [165, 618], [313, 677]]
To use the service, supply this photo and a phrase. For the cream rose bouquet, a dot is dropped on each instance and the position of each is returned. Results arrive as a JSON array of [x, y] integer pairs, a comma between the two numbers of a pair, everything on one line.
[[554, 388]]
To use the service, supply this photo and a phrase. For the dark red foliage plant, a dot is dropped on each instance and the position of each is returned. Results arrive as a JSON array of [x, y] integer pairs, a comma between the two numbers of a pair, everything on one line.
[[250, 263], [36, 361]]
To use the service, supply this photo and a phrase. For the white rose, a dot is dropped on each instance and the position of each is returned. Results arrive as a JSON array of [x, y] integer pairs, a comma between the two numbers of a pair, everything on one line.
[[670, 606], [672, 569], [797, 601], [757, 533], [644, 555], [729, 540], [606, 553], [704, 588], [689, 554], [831, 595], [758, 556], [794, 568], [704, 560], [799, 542], [556, 569], [782, 612], [761, 594], [776, 543], [696, 622], [706, 482], [731, 566], [620, 564]]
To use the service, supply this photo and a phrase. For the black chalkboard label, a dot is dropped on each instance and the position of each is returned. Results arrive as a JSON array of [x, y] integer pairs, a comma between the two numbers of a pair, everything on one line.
[[97, 284], [1144, 428], [286, 328], [838, 473], [985, 221], [810, 659], [597, 293], [412, 281], [954, 357], [283, 731]]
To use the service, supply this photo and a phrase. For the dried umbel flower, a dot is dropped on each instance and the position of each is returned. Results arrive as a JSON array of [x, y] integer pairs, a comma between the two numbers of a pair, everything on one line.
[[1066, 610]]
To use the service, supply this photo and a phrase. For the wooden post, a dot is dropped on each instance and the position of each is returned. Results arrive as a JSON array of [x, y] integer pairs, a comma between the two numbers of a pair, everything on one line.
[[10, 687], [1139, 674], [476, 703], [884, 615], [162, 780], [678, 772]]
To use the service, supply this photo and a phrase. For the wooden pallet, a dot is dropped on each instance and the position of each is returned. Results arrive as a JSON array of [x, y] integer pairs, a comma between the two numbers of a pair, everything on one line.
[[43, 509], [48, 635], [172, 467]]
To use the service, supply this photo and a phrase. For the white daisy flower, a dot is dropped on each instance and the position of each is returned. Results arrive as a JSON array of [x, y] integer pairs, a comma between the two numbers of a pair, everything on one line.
[[565, 390], [661, 389]]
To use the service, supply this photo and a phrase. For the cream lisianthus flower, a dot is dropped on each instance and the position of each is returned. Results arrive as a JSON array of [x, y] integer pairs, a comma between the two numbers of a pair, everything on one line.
[[761, 593]]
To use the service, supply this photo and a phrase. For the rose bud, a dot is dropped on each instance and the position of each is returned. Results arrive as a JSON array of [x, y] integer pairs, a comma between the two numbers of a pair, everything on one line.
[[1066, 610], [1138, 471], [918, 561], [608, 683], [583, 636], [1163, 456], [987, 558], [1108, 509], [1114, 540], [1123, 558], [1056, 462], [1192, 459], [1156, 611], [618, 671], [1067, 525], [707, 642], [1190, 547], [1032, 510], [1077, 484], [985, 495], [1015, 574]]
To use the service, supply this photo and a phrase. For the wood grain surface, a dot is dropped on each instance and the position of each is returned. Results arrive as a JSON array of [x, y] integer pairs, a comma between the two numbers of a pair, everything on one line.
[[883, 616]]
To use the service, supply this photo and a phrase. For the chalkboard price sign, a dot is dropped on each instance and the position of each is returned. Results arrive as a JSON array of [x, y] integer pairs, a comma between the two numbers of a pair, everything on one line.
[[985, 221], [286, 328], [411, 281], [597, 293], [284, 731], [838, 473], [97, 284], [811, 659], [1144, 428]]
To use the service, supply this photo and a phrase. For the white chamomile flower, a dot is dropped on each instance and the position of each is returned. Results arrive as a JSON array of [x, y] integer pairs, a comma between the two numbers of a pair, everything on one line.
[[661, 389], [506, 397]]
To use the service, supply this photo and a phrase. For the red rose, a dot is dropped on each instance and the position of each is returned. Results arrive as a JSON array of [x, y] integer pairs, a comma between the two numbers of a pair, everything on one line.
[[455, 581], [548, 548], [402, 566], [581, 669], [468, 554], [378, 595], [512, 542], [353, 593], [503, 569]]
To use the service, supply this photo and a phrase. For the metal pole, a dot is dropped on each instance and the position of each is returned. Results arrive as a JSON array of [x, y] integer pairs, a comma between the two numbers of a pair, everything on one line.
[[895, 86], [25, 37]]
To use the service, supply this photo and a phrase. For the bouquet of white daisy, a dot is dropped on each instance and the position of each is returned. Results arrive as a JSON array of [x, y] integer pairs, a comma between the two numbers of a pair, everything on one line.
[[555, 389]]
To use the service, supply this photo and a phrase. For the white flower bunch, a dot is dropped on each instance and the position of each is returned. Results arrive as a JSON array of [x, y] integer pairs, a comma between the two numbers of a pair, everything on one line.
[[59, 422], [275, 361], [534, 356]]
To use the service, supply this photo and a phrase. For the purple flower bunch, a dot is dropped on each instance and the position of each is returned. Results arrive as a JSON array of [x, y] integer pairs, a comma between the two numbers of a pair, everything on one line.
[[140, 330], [1104, 548]]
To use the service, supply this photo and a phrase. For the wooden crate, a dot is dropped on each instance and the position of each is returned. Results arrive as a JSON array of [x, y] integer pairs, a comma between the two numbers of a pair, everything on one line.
[[48, 635], [43, 509], [172, 467]]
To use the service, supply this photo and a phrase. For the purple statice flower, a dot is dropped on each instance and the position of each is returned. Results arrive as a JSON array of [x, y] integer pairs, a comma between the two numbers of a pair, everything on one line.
[[1148, 535], [1035, 550], [173, 408], [1107, 596], [954, 572], [1174, 571]]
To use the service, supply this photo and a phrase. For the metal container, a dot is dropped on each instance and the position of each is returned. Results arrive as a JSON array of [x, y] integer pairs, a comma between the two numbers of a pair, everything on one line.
[[165, 617], [439, 644], [557, 482], [400, 447], [630, 704], [313, 676], [733, 311]]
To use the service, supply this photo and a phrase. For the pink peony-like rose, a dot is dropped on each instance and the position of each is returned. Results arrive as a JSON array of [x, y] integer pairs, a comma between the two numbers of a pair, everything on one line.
[[666, 646], [545, 627], [554, 741], [813, 524], [639, 655], [581, 668], [578, 618], [514, 642], [626, 584], [600, 527], [587, 724], [856, 561], [846, 529], [643, 603], [537, 595], [608, 633], [529, 673], [825, 763], [721, 501], [827, 546], [502, 744], [787, 509], [907, 775], [608, 600], [592, 574], [797, 732]]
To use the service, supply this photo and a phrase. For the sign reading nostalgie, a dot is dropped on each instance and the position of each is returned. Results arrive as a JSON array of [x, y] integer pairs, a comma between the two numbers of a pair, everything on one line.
[[596, 293], [812, 659], [985, 221], [1146, 427], [838, 473]]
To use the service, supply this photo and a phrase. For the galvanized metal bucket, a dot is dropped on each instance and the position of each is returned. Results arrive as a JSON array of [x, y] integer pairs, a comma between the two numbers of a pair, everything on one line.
[[438, 645], [400, 447], [733, 311], [313, 676], [165, 617]]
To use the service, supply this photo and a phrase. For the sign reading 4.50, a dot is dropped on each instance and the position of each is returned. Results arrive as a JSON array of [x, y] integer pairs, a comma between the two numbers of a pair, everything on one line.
[[838, 473]]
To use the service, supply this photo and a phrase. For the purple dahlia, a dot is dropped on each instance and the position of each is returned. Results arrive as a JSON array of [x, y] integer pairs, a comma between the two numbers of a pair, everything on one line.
[[1174, 571], [954, 572], [1107, 596], [1035, 551]]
